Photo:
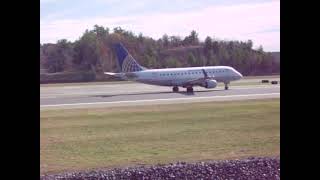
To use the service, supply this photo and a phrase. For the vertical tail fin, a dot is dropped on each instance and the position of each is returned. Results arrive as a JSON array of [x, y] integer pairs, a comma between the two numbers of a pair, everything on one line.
[[126, 62]]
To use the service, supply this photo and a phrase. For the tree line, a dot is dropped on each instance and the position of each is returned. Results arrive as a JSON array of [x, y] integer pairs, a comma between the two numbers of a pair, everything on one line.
[[93, 52]]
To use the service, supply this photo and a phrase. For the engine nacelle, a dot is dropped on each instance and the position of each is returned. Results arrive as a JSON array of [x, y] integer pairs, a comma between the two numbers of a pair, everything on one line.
[[209, 83]]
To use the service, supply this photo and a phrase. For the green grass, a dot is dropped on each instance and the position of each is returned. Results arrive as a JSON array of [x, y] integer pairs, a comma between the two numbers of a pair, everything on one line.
[[80, 139]]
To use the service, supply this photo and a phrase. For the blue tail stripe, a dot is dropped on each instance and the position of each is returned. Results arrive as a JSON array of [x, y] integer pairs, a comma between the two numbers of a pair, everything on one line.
[[126, 62], [122, 53]]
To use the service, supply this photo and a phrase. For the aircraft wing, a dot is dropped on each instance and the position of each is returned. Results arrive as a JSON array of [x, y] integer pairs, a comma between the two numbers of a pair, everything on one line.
[[193, 82], [198, 81]]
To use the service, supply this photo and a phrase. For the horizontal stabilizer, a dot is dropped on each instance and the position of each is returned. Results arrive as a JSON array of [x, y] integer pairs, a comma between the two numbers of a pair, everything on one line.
[[114, 74], [110, 73]]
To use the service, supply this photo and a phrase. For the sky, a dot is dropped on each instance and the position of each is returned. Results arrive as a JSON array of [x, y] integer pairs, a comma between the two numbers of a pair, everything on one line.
[[257, 20]]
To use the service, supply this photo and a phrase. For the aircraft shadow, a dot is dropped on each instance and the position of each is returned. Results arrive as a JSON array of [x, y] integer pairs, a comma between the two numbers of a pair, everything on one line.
[[145, 93]]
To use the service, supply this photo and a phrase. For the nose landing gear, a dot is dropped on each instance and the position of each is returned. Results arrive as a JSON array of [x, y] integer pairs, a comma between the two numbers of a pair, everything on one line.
[[226, 86]]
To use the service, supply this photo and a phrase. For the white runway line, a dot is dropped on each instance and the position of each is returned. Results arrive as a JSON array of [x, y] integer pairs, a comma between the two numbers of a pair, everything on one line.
[[163, 100], [52, 96]]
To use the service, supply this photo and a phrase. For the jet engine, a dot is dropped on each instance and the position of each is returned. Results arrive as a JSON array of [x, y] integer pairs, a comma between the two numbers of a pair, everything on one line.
[[209, 83]]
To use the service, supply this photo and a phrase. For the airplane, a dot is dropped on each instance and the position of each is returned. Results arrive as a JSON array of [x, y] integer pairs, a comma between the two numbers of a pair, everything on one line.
[[206, 76]]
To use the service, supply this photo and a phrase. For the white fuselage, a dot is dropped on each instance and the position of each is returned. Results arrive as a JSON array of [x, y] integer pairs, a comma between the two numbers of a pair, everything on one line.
[[181, 76]]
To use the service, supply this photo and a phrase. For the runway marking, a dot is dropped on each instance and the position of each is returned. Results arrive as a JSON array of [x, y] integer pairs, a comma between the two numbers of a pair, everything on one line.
[[152, 100], [52, 96]]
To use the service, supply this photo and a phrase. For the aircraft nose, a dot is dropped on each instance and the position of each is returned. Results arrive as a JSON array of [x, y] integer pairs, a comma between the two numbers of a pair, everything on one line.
[[239, 75]]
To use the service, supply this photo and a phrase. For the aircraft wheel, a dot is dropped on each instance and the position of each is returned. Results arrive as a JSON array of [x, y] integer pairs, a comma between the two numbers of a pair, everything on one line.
[[175, 89], [189, 89], [226, 87]]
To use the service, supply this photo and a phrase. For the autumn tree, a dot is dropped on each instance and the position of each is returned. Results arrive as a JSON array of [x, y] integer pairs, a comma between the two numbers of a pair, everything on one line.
[[95, 47], [165, 40], [192, 61]]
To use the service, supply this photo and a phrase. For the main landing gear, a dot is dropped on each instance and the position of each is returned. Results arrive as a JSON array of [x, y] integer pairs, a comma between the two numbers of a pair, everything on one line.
[[175, 89], [189, 90]]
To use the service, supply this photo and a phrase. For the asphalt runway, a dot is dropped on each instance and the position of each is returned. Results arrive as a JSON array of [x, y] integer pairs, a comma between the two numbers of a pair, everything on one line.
[[127, 94]]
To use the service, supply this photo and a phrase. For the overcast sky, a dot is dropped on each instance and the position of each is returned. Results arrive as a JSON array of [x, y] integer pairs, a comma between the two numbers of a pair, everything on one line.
[[229, 20]]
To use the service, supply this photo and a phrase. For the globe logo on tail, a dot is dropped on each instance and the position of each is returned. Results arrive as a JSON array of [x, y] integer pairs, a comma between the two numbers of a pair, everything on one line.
[[126, 62]]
